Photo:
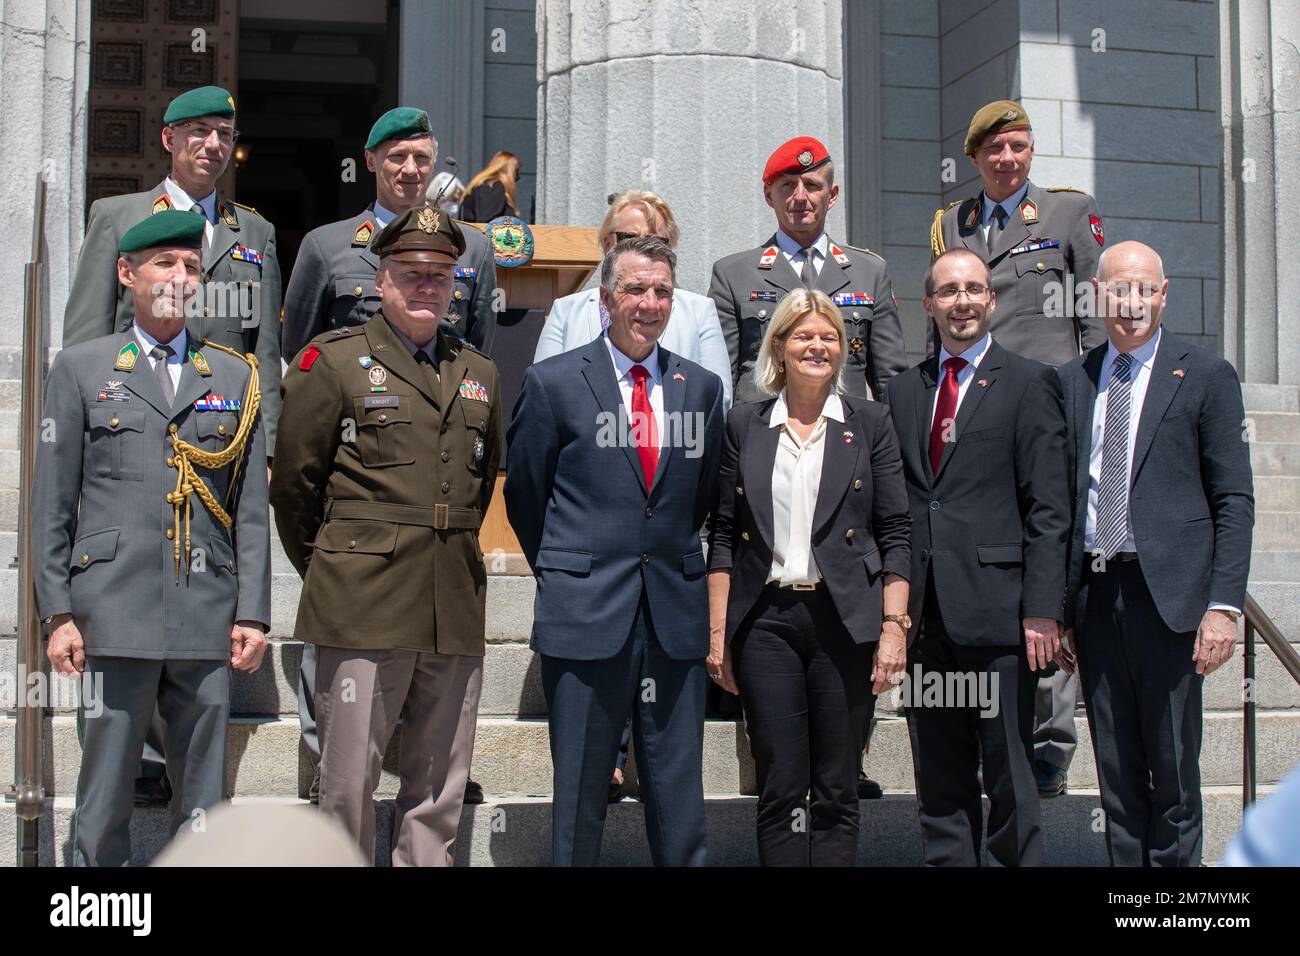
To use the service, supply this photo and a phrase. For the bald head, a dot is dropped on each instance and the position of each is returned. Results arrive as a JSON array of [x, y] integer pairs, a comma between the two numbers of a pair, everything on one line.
[[1131, 291]]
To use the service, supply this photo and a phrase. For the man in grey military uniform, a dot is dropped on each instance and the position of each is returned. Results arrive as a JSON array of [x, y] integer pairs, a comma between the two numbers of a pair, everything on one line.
[[1039, 244], [333, 281], [333, 285], [150, 590], [239, 269], [799, 185]]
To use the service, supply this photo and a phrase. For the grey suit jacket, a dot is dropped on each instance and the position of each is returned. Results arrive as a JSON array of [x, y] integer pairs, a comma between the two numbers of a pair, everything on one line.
[[1036, 314], [101, 520], [333, 285], [99, 305], [747, 288], [1191, 500]]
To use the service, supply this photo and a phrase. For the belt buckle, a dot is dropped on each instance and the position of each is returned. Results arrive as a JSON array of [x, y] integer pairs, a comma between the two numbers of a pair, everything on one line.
[[803, 587], [440, 517]]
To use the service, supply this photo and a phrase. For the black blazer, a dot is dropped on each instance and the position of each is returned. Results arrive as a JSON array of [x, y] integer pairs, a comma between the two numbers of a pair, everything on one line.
[[485, 202], [1192, 498], [860, 523], [992, 526]]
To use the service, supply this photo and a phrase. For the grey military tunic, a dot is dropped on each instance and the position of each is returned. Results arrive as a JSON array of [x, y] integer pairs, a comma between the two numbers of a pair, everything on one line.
[[1057, 237], [747, 288], [242, 252], [102, 525], [333, 285]]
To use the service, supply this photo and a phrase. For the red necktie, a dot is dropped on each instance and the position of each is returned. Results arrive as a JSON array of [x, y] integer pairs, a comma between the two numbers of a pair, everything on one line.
[[945, 412], [643, 425]]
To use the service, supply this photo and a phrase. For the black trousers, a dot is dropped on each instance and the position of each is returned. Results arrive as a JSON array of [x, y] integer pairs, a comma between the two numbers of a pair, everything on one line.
[[1144, 713], [983, 712], [805, 688], [588, 703]]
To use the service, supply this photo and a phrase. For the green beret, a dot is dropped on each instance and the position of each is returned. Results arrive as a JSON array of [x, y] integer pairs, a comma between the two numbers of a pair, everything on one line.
[[994, 118], [404, 122], [205, 101], [423, 234], [171, 227]]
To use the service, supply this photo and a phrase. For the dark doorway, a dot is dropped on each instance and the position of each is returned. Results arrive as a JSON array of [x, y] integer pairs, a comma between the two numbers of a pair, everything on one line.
[[313, 75]]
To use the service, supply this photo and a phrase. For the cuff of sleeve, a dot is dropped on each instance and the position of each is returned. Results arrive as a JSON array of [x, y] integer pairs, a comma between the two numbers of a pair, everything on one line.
[[901, 565], [1217, 606]]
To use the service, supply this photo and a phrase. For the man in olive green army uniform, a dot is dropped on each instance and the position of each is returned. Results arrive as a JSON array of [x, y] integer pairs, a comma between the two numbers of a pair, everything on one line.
[[390, 453], [1041, 246]]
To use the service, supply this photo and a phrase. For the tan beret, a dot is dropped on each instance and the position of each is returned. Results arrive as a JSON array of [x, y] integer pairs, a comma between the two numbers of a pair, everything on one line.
[[996, 117]]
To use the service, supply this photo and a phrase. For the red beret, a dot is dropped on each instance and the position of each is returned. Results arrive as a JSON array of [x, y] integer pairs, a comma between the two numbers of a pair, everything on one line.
[[799, 155]]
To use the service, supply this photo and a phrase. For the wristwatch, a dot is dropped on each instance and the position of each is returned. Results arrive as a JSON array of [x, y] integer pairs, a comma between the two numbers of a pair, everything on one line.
[[902, 620]]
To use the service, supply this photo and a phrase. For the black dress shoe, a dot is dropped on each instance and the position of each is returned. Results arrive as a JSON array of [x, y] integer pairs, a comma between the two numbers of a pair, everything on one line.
[[313, 792], [152, 792], [473, 792], [868, 789], [1050, 778]]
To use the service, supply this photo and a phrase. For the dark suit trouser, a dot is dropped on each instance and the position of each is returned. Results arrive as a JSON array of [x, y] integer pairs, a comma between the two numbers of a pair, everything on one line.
[[949, 742], [1144, 713], [588, 703], [193, 699], [1055, 737], [307, 703], [805, 686]]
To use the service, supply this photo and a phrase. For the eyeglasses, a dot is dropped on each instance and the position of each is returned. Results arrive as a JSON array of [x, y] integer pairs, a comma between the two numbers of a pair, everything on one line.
[[622, 236], [948, 294], [227, 136]]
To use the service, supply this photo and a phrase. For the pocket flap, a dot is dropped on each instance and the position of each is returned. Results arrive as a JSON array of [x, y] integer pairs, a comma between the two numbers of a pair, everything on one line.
[[999, 553], [553, 559], [346, 287], [872, 560], [1027, 263], [100, 546], [693, 564], [215, 425], [222, 555], [394, 410], [116, 418], [357, 537]]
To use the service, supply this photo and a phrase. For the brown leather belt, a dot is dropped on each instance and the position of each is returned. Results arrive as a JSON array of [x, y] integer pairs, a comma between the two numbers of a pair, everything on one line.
[[439, 517]]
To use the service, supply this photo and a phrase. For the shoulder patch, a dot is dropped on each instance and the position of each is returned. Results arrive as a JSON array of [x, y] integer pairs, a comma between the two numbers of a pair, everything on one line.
[[309, 356], [161, 204]]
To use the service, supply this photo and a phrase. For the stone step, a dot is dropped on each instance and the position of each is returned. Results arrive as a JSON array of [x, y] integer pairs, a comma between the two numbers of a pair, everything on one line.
[[1280, 600], [512, 756], [1277, 493], [517, 831], [1275, 531], [512, 684], [1275, 565], [1273, 426], [1270, 398], [1275, 458]]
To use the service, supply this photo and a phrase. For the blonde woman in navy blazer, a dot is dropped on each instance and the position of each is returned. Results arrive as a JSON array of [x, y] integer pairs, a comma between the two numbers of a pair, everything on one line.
[[808, 585]]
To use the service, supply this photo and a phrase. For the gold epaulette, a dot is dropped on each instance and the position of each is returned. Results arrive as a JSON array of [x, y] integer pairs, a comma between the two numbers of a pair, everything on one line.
[[242, 206], [869, 252], [1065, 189], [936, 228]]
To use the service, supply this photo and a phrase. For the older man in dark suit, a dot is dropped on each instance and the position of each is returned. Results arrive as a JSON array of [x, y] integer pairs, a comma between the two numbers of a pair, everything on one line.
[[1160, 551], [982, 436], [613, 464]]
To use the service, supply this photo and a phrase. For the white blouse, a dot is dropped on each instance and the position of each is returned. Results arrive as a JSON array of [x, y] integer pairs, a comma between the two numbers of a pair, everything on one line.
[[796, 479]]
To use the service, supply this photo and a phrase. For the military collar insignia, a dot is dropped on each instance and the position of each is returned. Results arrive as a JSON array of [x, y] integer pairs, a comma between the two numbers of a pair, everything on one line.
[[838, 255], [161, 204], [972, 217], [363, 234], [199, 362], [227, 215], [127, 356], [1029, 211], [768, 257]]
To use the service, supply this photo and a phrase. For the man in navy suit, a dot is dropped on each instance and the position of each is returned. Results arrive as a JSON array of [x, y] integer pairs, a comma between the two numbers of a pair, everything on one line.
[[982, 436], [612, 470], [1159, 554]]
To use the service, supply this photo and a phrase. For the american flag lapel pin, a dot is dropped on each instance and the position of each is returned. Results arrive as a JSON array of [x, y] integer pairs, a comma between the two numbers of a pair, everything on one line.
[[1179, 372]]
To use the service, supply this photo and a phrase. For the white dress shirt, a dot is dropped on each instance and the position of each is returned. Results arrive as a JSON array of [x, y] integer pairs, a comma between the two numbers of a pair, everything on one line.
[[1010, 204], [175, 361], [973, 356], [184, 202], [794, 252], [654, 391], [796, 480], [383, 216]]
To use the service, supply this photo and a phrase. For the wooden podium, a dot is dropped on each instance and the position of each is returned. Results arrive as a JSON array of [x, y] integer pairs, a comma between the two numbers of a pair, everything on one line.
[[563, 259]]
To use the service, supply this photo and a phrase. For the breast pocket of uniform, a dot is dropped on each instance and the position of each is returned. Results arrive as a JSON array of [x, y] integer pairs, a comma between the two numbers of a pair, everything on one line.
[[476, 437], [117, 443], [754, 317], [240, 299], [384, 435], [1040, 275], [215, 429], [355, 299]]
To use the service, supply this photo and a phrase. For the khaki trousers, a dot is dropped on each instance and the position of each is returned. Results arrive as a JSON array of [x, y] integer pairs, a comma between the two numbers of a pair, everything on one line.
[[360, 695]]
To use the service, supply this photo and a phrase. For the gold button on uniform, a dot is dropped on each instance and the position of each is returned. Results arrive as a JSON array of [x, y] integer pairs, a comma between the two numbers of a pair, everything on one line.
[[172, 428], [112, 422], [457, 295], [848, 535], [1040, 267], [169, 534], [857, 485], [171, 462], [352, 544], [383, 417], [221, 429], [357, 290], [740, 490], [85, 559], [445, 456], [744, 536]]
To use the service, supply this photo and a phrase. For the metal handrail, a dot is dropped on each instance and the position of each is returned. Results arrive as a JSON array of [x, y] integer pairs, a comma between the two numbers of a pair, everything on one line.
[[1258, 621], [29, 790]]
